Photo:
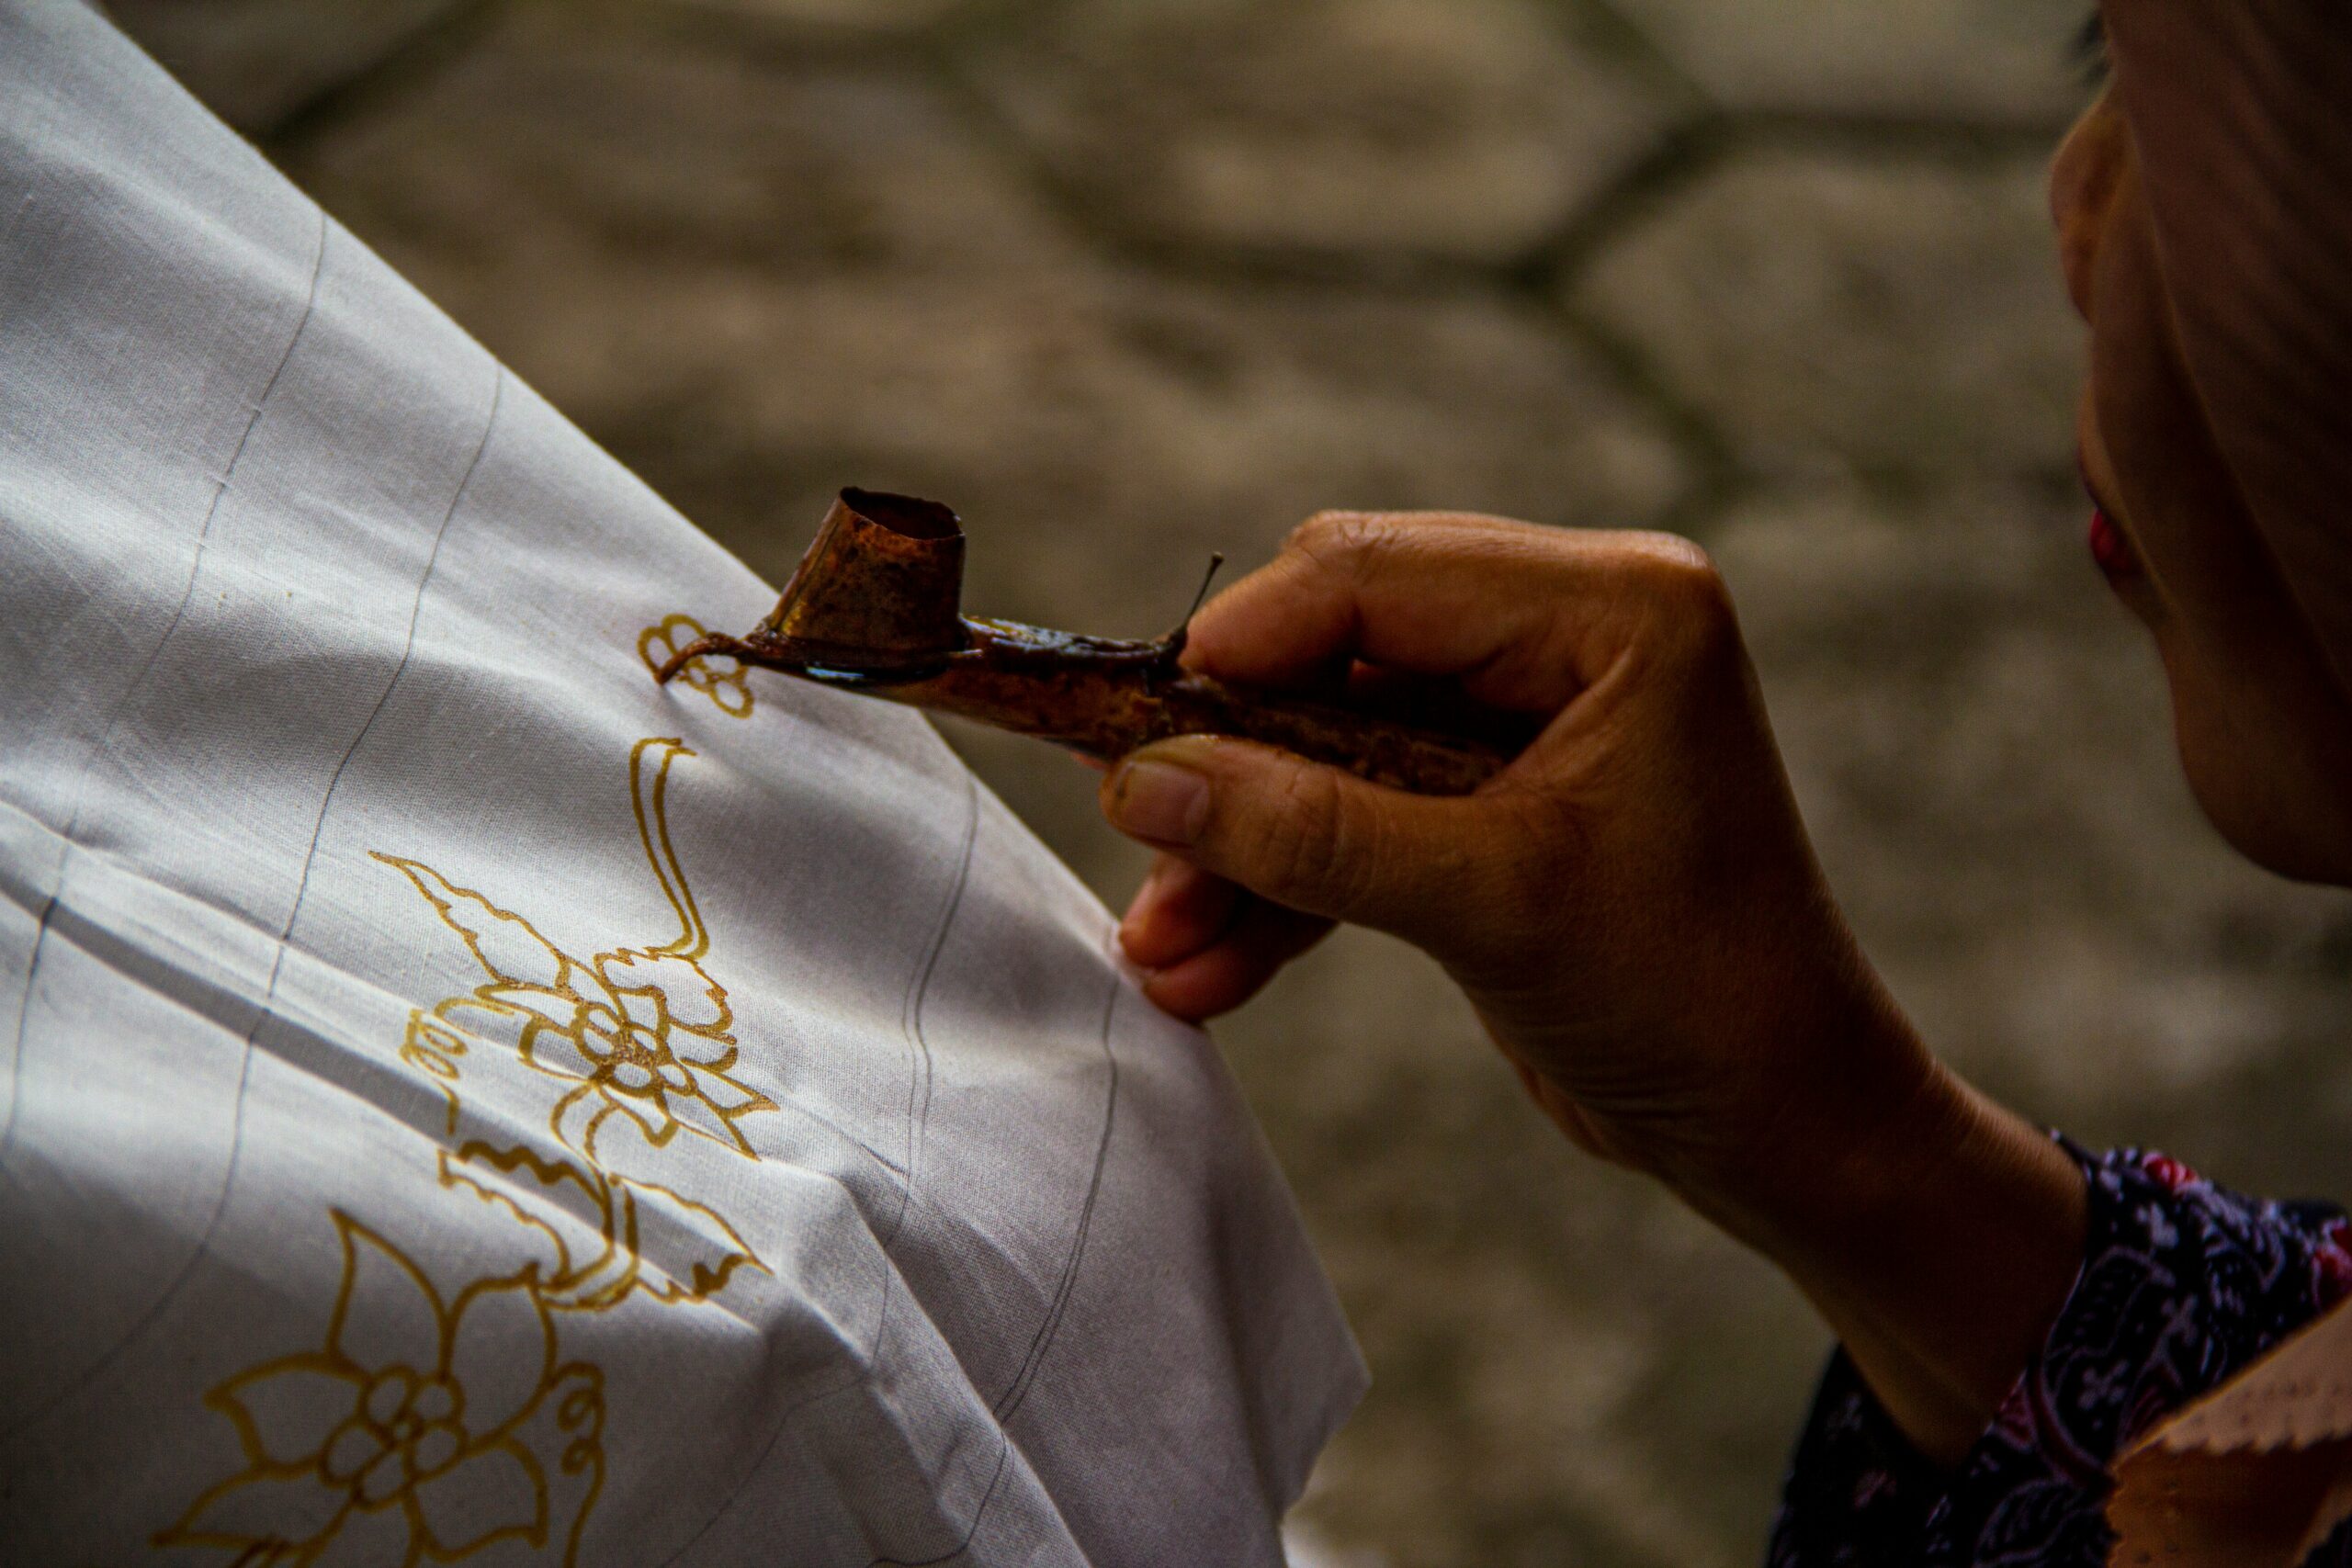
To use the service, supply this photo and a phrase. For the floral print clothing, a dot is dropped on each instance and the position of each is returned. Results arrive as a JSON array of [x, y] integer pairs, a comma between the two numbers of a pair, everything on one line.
[[2182, 1285]]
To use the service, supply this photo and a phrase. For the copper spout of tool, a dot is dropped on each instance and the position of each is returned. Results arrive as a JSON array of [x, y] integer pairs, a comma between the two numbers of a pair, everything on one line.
[[874, 608]]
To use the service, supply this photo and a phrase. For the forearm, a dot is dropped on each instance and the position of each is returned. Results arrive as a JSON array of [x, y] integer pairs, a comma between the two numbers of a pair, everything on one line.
[[1937, 1233], [1944, 1266]]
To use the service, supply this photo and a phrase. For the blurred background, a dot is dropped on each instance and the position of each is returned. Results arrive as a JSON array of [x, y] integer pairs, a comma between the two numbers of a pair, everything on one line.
[[1126, 281]]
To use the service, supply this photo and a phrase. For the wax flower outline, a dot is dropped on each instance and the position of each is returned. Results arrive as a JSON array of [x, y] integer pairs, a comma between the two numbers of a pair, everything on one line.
[[730, 692], [640, 1032], [416, 1433], [428, 1443]]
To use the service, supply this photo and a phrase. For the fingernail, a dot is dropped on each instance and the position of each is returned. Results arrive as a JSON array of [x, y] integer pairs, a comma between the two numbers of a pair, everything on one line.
[[1158, 801]]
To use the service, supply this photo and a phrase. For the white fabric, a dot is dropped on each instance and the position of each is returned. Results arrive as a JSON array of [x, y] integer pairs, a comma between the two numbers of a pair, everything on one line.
[[463, 1102]]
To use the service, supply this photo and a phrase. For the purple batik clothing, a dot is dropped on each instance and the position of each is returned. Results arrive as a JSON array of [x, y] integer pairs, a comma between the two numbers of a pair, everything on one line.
[[2183, 1283]]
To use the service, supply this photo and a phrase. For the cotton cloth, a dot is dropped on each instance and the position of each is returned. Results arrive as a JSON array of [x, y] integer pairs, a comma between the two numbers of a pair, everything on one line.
[[462, 1101]]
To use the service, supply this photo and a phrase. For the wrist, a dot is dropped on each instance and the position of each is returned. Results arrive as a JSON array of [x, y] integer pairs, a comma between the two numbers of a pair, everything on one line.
[[1834, 1140], [1938, 1233]]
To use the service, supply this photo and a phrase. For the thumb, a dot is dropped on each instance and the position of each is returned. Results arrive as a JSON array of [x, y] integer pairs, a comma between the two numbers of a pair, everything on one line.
[[1310, 837]]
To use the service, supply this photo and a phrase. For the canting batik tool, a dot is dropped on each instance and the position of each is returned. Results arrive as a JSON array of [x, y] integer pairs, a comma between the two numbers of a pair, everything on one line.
[[876, 608]]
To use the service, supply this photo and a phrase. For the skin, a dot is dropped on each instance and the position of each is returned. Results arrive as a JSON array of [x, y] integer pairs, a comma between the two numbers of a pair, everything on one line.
[[2265, 733], [1633, 907]]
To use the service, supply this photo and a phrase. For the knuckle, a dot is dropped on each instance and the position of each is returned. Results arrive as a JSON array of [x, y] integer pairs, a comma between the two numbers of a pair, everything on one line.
[[1320, 526], [1317, 534], [1678, 567], [1693, 602], [1343, 542]]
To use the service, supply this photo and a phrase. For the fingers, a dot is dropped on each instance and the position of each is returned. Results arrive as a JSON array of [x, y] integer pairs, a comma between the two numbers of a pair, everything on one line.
[[1525, 617], [1209, 946], [1303, 835], [1236, 966], [1179, 910]]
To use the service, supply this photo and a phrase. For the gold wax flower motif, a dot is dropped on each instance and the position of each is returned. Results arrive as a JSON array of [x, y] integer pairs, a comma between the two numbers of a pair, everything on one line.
[[729, 691], [640, 1032], [424, 1429]]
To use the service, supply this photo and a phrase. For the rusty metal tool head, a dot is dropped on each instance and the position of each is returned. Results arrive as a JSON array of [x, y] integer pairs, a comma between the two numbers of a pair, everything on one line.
[[881, 588]]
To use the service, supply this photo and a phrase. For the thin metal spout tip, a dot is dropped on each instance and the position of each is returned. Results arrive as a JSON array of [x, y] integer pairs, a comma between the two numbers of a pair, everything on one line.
[[691, 651], [1173, 646]]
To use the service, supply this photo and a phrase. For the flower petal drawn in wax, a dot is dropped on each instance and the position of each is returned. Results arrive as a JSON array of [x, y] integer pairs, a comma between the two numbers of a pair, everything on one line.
[[718, 1100], [561, 1053], [557, 1202], [264, 1509], [687, 1251], [508, 947], [287, 1410], [685, 994], [478, 1022], [495, 1494], [387, 1314], [543, 1223], [561, 1010], [579, 1116], [648, 1112], [697, 1115], [501, 1354]]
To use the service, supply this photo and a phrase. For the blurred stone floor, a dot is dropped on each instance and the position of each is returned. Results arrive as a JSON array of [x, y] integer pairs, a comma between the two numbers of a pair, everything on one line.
[[1129, 280]]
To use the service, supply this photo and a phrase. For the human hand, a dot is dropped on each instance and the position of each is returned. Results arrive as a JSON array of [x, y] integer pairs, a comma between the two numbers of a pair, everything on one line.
[[1633, 909], [1632, 906]]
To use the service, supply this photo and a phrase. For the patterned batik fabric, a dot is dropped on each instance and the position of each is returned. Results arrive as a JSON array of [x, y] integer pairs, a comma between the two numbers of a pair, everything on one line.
[[462, 1101], [2183, 1283]]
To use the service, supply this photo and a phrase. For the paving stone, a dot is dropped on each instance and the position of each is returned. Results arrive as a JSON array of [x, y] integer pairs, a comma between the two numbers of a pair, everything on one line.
[[1457, 128], [255, 61], [569, 135], [1837, 311], [2000, 60]]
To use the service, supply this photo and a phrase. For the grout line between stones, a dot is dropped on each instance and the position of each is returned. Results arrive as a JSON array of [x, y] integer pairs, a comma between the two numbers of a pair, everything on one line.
[[434, 43], [1604, 26], [1680, 157], [1719, 475]]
